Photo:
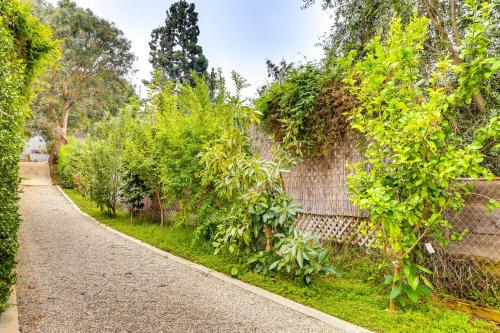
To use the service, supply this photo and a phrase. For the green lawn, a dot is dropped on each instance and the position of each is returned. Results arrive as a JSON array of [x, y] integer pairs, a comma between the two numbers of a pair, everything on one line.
[[353, 296]]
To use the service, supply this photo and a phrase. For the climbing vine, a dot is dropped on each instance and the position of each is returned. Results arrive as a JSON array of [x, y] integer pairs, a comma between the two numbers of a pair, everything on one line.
[[306, 111]]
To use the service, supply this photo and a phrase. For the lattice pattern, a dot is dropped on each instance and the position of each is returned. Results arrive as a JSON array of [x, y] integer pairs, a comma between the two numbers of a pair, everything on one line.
[[341, 229], [318, 185], [468, 269]]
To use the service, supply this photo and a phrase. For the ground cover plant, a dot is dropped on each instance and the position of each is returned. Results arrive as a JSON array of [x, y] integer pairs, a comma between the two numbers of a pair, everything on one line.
[[357, 295]]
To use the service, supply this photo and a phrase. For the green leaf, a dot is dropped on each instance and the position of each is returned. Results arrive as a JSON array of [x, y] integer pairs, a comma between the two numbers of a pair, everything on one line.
[[413, 281], [412, 295], [300, 259], [427, 282], [424, 269], [395, 291], [492, 205], [274, 265], [234, 271]]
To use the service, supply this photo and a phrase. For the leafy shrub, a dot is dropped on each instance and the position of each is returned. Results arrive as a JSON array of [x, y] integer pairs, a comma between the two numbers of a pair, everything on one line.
[[102, 174], [24, 45], [70, 164], [163, 141], [133, 190], [302, 254], [94, 165], [259, 225]]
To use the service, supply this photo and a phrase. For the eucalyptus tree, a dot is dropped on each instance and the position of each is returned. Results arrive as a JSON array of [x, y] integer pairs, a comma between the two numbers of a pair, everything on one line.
[[89, 80]]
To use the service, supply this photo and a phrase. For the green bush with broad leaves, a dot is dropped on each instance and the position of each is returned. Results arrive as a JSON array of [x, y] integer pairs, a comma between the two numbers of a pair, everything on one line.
[[260, 223], [25, 44], [414, 161]]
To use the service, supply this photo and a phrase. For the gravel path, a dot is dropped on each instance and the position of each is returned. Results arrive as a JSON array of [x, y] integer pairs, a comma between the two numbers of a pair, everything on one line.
[[75, 276]]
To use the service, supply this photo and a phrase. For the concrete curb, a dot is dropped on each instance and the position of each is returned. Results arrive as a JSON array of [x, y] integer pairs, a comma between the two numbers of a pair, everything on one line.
[[341, 325], [9, 320]]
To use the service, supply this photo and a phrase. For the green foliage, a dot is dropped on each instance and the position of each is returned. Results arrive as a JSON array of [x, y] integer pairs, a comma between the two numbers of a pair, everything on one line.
[[302, 254], [413, 158], [174, 46], [133, 190], [70, 164], [260, 212], [184, 129], [93, 165], [305, 107], [24, 46], [287, 105], [357, 21], [162, 142], [89, 80]]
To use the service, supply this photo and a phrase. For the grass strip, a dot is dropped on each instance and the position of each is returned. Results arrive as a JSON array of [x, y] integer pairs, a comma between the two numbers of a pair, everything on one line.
[[356, 296]]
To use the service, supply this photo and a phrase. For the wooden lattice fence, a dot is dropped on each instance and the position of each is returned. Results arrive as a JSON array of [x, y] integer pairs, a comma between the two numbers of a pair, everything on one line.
[[468, 269]]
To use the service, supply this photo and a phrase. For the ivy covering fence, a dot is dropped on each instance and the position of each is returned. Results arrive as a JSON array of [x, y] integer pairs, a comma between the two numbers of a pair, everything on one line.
[[24, 45]]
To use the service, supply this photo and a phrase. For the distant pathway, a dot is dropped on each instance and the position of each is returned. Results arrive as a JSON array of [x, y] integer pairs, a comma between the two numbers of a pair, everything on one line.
[[76, 276]]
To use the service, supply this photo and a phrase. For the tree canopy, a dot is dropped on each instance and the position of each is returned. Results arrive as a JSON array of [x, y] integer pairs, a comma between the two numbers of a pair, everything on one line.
[[90, 79], [174, 46]]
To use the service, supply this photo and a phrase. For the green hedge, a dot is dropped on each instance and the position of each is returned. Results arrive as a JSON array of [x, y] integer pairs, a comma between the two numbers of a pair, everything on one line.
[[24, 43]]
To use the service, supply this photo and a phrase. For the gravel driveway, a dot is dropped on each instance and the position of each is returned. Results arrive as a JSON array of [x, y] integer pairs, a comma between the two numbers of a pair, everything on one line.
[[76, 276]]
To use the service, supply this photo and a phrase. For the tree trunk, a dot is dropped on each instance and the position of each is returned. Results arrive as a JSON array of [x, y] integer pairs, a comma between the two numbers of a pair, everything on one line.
[[160, 204], [395, 272], [61, 136], [268, 238]]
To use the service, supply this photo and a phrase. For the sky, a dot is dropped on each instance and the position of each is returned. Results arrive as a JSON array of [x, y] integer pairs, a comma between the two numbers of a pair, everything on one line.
[[235, 34]]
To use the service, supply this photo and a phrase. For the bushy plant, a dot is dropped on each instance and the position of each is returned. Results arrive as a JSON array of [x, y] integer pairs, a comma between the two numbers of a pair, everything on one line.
[[413, 158], [302, 254], [24, 46], [133, 190], [164, 140], [93, 165], [259, 225], [70, 164], [102, 174]]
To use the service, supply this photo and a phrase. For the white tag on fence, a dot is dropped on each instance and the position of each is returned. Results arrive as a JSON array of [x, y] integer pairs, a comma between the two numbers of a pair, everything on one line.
[[429, 248]]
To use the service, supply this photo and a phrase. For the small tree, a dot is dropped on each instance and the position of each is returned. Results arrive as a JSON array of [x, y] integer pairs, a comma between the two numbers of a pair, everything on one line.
[[142, 147], [260, 224], [413, 159], [102, 156]]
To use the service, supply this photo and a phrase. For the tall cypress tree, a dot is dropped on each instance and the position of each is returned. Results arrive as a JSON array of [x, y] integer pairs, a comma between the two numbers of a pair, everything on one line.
[[174, 46]]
